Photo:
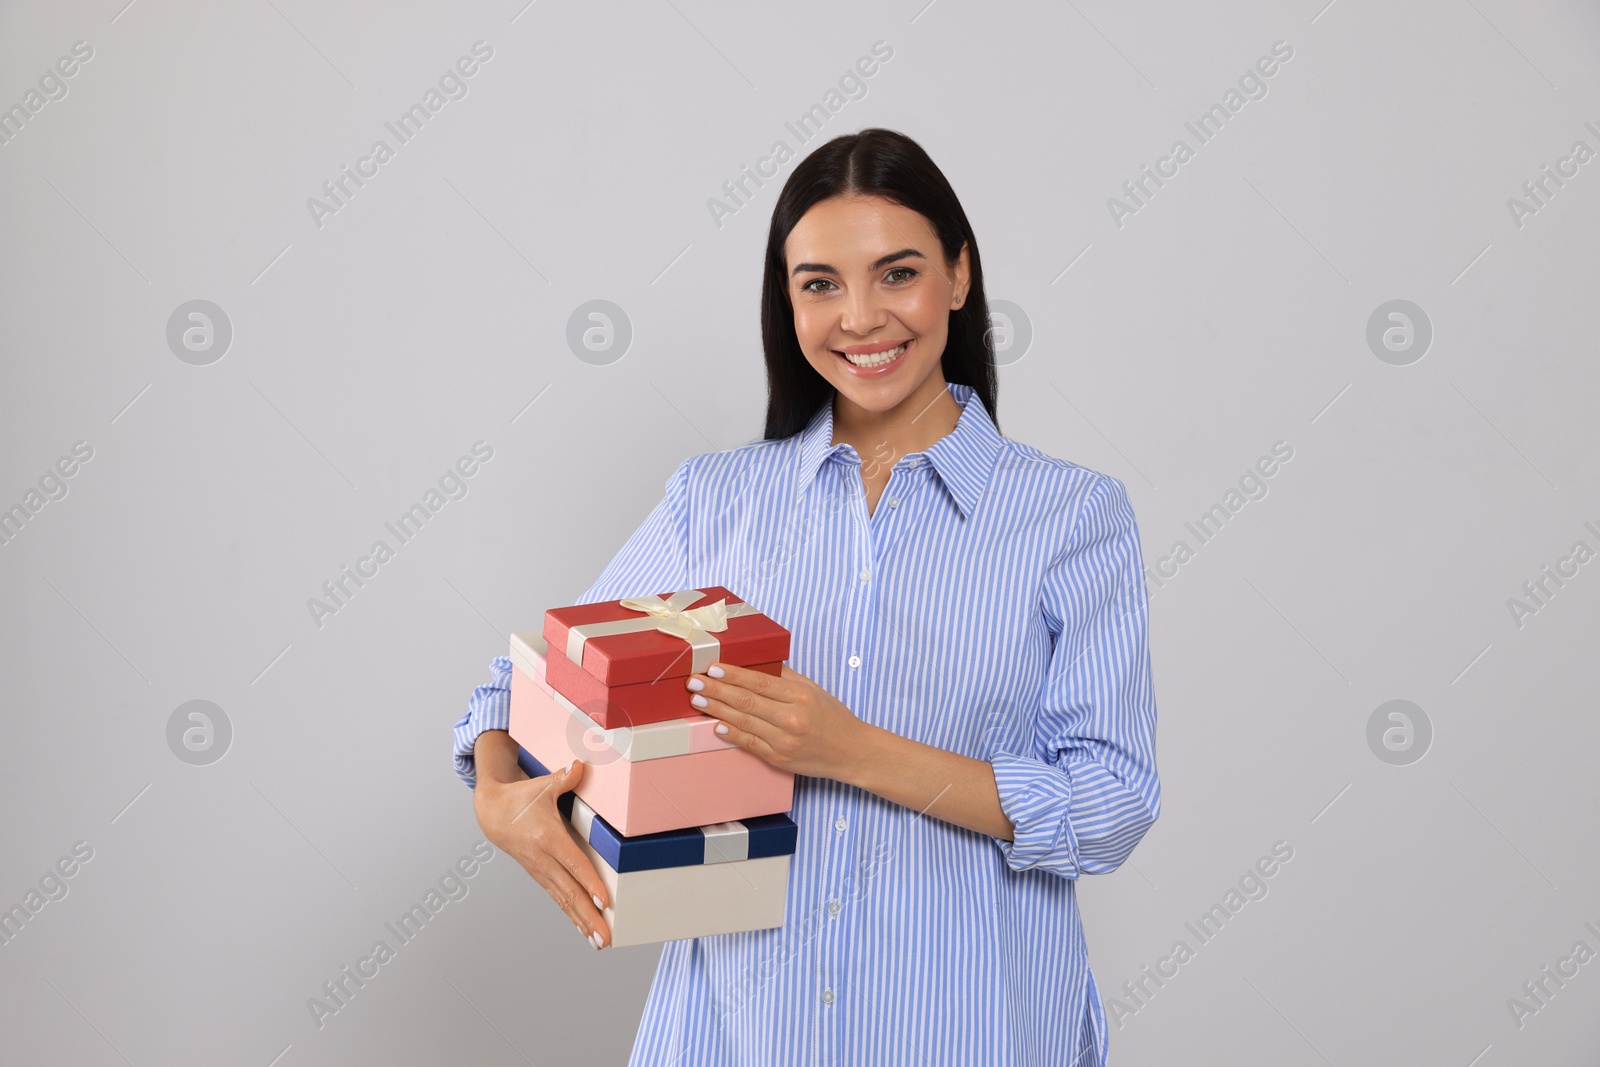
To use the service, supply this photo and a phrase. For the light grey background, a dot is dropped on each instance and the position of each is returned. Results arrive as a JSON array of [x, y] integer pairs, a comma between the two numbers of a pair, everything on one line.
[[368, 354]]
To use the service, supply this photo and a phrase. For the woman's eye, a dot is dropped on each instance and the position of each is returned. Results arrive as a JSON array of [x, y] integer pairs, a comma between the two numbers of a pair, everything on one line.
[[894, 275]]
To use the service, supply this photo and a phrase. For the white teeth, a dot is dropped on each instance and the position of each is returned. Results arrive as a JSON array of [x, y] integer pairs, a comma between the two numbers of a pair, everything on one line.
[[876, 359]]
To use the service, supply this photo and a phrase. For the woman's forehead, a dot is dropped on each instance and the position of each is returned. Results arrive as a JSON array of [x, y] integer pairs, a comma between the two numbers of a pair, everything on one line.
[[845, 232]]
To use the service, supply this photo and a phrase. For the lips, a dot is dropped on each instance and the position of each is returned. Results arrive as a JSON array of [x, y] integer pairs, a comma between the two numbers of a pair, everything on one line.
[[875, 364]]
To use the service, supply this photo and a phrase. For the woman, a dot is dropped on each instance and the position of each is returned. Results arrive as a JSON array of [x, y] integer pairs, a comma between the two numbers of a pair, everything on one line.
[[967, 706]]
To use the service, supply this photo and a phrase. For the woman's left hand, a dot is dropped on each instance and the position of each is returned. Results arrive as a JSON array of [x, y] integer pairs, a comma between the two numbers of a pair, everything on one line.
[[789, 721]]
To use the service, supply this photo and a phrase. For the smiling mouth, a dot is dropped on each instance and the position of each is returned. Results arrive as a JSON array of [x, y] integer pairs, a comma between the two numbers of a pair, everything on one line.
[[874, 360]]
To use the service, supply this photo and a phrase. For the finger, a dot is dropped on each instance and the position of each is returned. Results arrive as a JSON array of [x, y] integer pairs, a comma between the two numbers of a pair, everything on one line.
[[576, 863], [548, 787], [759, 698], [759, 682], [550, 854], [749, 723], [562, 849], [562, 781], [570, 898], [565, 865], [730, 695], [753, 743], [575, 772]]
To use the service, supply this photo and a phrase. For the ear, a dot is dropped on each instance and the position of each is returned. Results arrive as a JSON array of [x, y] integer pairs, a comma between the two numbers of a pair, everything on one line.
[[962, 278]]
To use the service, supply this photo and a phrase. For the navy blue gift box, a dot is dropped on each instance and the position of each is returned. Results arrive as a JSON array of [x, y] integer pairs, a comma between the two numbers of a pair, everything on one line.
[[706, 880]]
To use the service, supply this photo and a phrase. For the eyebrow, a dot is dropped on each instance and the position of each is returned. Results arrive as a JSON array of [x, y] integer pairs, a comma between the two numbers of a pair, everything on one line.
[[882, 261]]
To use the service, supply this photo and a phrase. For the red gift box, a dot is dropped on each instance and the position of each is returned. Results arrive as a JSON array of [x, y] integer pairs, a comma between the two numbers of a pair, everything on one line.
[[624, 665], [627, 705]]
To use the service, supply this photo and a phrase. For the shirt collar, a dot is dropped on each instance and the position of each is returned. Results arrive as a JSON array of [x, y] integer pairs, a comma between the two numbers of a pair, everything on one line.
[[963, 459]]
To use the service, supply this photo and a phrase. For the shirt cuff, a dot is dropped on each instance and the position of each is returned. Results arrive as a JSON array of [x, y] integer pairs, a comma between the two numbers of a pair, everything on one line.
[[1037, 798], [488, 709]]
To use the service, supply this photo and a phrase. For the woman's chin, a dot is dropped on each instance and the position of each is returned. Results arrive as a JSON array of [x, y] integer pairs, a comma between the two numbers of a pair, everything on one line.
[[877, 398]]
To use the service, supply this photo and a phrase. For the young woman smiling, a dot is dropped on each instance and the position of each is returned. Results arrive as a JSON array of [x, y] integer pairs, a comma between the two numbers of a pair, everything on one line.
[[967, 706]]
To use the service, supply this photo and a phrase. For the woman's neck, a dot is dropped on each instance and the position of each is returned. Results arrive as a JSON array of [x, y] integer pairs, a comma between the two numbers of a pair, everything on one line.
[[913, 425]]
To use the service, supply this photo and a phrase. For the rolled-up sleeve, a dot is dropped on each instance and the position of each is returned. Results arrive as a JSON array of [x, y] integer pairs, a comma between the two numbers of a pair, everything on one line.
[[653, 560], [1085, 795]]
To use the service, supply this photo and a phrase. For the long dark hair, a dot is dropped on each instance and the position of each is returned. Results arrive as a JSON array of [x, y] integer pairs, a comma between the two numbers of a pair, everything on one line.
[[874, 162]]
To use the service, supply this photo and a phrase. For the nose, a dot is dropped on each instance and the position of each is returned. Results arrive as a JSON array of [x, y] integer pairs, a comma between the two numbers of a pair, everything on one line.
[[862, 313]]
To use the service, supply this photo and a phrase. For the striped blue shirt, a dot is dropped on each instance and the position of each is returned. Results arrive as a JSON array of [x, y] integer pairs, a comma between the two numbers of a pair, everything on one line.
[[993, 604]]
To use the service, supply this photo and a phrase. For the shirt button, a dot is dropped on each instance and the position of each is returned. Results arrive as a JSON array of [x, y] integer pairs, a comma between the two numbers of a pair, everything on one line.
[[840, 824], [833, 907], [854, 661], [894, 502], [827, 996], [915, 462], [865, 575]]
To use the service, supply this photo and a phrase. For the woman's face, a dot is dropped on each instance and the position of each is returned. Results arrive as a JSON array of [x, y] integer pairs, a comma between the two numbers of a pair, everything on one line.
[[868, 280]]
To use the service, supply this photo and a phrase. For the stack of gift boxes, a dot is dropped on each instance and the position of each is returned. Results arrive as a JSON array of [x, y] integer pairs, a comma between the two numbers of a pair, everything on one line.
[[689, 833]]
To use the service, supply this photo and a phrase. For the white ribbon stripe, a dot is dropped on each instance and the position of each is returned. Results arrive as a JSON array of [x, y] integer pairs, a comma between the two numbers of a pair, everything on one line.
[[726, 842], [582, 817]]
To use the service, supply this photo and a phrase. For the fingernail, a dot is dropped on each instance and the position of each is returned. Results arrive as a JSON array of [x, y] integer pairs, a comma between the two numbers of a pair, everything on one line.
[[698, 701], [695, 685], [715, 671], [594, 939], [597, 905], [722, 727]]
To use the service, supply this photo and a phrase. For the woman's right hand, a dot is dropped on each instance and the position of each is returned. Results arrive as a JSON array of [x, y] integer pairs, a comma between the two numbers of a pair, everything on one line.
[[519, 816]]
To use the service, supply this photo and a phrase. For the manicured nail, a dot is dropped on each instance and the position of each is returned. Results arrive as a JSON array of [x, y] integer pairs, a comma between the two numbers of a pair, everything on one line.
[[715, 671], [594, 939], [698, 701], [597, 905], [722, 727], [695, 685]]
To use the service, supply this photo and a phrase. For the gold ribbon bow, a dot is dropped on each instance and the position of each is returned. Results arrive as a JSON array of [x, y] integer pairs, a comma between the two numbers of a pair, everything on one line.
[[669, 616]]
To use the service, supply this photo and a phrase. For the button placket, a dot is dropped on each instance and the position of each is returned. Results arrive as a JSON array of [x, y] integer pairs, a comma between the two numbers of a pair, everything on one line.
[[838, 859], [826, 899], [866, 559], [886, 525]]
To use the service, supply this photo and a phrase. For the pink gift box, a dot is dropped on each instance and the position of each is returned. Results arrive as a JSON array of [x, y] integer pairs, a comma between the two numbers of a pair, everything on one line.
[[643, 779]]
